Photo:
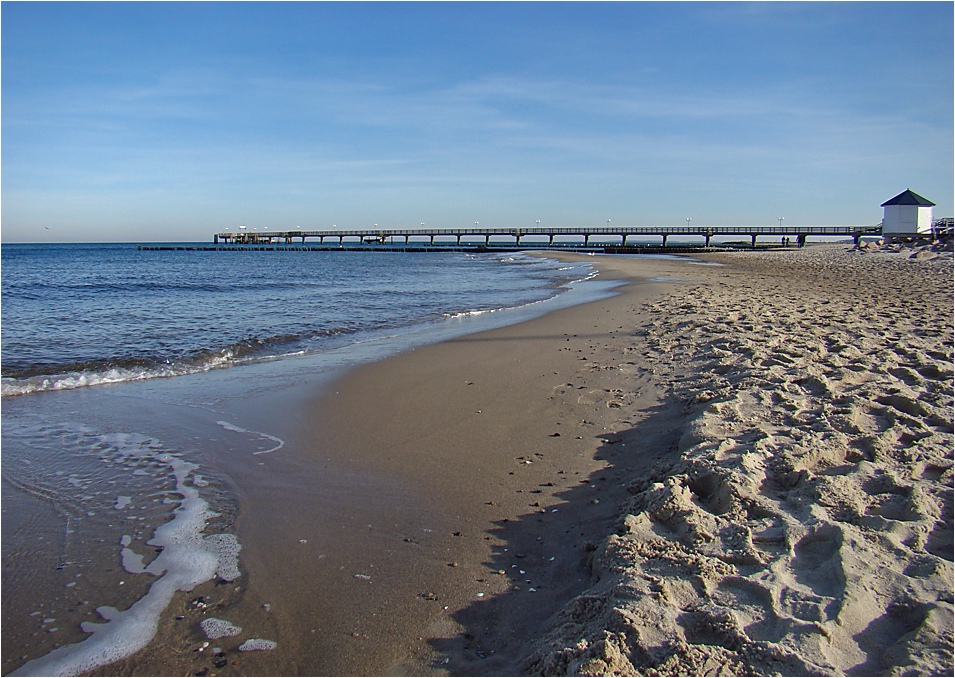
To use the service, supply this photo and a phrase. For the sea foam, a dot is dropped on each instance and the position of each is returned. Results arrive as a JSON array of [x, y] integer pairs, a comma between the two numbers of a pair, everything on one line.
[[187, 559], [219, 628], [10, 386]]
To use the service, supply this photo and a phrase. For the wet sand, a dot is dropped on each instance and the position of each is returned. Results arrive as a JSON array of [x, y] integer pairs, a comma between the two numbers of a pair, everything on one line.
[[470, 483], [743, 469]]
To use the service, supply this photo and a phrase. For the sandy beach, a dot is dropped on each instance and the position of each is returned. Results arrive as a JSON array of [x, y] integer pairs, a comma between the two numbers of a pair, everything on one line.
[[734, 469], [803, 523]]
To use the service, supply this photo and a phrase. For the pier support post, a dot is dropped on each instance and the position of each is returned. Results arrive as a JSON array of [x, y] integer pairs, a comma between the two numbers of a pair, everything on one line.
[[664, 240], [754, 241], [801, 240], [706, 242]]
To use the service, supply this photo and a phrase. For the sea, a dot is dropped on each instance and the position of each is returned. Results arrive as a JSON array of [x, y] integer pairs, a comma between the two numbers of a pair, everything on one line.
[[135, 381]]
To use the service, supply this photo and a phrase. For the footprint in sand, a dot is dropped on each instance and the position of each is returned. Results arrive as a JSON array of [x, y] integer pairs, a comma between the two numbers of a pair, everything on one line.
[[818, 561]]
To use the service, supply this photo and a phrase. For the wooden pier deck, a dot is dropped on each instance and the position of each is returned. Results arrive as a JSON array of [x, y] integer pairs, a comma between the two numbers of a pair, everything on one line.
[[529, 238]]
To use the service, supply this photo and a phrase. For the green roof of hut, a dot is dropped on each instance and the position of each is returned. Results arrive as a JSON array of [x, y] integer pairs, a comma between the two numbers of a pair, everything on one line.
[[908, 197]]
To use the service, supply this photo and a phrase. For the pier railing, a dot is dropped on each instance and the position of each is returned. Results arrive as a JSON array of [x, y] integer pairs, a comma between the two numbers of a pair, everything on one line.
[[571, 237], [943, 228]]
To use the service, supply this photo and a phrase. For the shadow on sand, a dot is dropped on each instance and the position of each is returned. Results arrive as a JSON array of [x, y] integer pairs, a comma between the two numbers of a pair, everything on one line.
[[546, 553]]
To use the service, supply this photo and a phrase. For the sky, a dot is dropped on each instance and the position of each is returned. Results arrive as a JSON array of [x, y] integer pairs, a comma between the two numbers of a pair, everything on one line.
[[143, 122]]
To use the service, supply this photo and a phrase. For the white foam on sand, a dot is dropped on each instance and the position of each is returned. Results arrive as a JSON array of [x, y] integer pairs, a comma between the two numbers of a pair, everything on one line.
[[187, 559], [10, 386], [257, 644], [238, 429], [219, 628]]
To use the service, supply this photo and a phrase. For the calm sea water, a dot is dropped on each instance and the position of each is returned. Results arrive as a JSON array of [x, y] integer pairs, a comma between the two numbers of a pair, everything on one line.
[[137, 383], [79, 315]]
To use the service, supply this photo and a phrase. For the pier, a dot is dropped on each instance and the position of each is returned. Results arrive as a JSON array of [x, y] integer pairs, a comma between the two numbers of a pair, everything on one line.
[[582, 238]]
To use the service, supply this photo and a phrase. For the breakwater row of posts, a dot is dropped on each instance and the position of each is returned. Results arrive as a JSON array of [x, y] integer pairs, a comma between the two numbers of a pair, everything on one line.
[[452, 247]]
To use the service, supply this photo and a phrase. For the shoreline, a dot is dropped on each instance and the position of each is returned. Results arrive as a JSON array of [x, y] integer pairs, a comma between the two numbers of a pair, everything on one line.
[[744, 467], [467, 452], [239, 417], [350, 565]]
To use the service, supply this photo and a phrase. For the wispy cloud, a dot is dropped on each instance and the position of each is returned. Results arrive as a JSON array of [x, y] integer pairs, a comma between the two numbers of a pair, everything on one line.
[[586, 111]]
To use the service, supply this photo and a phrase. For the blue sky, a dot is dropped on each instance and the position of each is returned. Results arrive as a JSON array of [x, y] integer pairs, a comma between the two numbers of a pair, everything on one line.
[[155, 121]]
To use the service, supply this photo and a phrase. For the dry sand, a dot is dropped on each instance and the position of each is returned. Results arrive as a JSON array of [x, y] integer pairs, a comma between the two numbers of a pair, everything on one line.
[[803, 523], [737, 469]]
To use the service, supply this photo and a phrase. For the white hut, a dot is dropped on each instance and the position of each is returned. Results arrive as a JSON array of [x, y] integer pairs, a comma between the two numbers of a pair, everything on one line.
[[907, 213]]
